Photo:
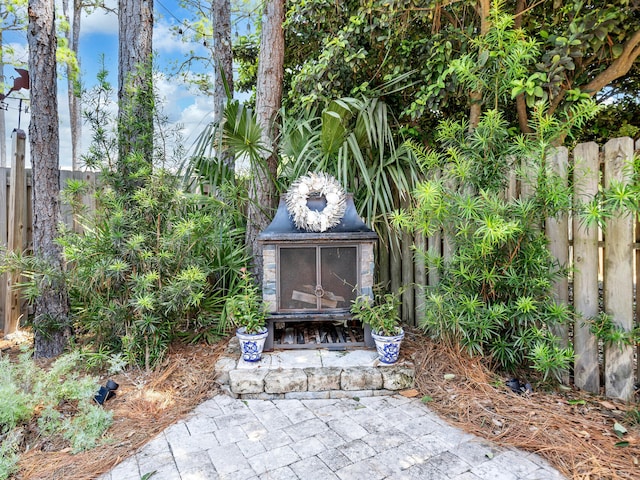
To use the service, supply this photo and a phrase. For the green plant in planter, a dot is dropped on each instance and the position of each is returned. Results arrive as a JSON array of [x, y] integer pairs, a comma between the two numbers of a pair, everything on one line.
[[381, 314], [245, 309]]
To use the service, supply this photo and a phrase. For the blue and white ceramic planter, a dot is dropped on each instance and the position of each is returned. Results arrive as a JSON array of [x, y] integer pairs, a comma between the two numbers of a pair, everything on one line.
[[388, 347], [251, 345]]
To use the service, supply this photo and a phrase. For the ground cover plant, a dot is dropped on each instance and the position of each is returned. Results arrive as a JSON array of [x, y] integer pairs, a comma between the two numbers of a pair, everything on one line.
[[53, 404]]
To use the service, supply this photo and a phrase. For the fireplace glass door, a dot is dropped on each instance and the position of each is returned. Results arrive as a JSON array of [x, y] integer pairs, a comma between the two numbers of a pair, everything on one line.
[[317, 277]]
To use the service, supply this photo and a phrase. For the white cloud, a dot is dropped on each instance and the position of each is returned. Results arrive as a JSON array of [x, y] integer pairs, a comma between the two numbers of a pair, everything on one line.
[[165, 41], [100, 20], [190, 112], [195, 116]]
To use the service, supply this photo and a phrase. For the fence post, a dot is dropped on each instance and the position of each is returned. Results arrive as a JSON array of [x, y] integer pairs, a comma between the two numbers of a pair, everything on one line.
[[421, 276], [586, 161], [408, 280], [557, 231], [17, 199], [637, 281], [618, 274], [3, 235]]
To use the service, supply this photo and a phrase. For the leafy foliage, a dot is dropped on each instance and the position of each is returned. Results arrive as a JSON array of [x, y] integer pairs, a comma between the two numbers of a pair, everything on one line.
[[604, 328], [381, 314], [354, 140], [154, 261], [30, 392], [245, 308], [494, 298], [152, 265], [364, 44]]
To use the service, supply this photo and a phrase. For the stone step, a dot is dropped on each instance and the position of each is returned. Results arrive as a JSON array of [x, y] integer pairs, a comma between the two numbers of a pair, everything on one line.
[[311, 374]]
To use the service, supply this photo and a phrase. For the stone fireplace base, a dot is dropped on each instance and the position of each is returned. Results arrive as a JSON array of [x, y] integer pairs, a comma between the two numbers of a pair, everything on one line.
[[311, 374]]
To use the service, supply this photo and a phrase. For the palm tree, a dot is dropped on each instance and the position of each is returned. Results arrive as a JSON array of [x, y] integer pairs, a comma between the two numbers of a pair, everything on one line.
[[353, 140]]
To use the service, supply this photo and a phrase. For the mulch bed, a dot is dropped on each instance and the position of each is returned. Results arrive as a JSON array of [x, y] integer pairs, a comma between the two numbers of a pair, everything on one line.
[[572, 430]]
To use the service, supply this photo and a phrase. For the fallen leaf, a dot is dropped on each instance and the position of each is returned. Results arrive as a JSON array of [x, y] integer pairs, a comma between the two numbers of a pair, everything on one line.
[[410, 393], [608, 405], [619, 430]]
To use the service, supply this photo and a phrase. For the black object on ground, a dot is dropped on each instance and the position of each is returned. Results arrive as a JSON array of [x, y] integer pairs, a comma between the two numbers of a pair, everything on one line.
[[518, 387], [106, 392]]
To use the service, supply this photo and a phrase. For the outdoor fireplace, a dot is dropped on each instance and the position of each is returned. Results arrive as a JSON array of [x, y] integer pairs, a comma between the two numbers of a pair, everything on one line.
[[311, 278]]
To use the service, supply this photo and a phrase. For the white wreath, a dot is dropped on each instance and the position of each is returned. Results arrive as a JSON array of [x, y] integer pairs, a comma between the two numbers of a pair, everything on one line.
[[321, 185]]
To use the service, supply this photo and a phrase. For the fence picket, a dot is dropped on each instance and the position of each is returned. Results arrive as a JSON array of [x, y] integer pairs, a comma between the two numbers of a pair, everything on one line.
[[421, 277], [618, 275], [4, 207], [585, 277], [16, 231], [557, 231]]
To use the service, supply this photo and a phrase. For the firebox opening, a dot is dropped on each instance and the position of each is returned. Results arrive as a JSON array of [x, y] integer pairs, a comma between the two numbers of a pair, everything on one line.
[[332, 335]]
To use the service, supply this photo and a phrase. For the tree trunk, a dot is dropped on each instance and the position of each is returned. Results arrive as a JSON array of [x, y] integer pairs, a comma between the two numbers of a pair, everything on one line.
[[51, 322], [73, 82], [135, 91], [521, 103], [476, 97], [221, 19], [268, 100]]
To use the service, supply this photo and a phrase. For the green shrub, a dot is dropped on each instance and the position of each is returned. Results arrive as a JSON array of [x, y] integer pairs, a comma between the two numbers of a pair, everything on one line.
[[153, 261], [495, 297], [151, 265], [9, 458]]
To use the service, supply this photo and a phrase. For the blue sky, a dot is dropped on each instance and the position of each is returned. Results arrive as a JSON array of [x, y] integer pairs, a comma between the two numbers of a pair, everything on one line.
[[182, 104]]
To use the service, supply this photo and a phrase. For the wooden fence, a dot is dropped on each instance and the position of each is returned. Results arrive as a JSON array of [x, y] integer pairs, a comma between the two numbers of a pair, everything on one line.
[[16, 222], [605, 269]]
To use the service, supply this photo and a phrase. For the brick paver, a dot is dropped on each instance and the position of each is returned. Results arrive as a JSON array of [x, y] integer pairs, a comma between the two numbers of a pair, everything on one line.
[[379, 437]]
